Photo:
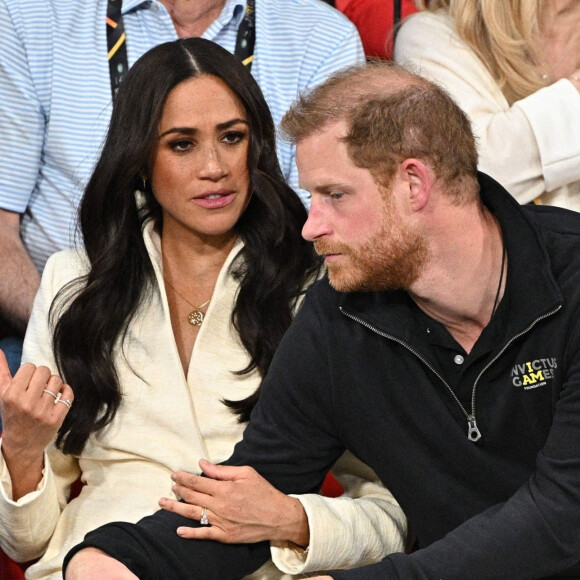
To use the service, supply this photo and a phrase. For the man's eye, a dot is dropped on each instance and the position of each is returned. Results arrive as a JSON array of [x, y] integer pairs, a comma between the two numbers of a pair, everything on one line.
[[335, 195]]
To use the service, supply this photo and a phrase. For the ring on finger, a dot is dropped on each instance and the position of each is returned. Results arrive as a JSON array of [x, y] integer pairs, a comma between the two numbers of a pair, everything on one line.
[[203, 520], [51, 394], [64, 402]]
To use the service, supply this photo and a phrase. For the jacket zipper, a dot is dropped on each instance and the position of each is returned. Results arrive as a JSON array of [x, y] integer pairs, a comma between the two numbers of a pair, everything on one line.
[[473, 432]]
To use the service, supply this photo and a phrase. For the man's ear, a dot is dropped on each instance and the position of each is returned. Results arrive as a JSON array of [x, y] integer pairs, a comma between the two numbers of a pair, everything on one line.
[[419, 180]]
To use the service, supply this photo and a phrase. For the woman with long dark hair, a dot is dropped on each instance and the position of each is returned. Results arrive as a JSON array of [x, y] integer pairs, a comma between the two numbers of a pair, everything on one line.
[[166, 321]]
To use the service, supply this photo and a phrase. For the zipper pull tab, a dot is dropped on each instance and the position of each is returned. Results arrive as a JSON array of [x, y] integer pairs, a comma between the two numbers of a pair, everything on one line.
[[473, 433]]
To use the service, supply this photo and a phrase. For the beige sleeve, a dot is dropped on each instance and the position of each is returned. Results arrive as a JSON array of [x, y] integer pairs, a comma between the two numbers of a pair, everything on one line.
[[361, 527], [530, 147], [26, 525]]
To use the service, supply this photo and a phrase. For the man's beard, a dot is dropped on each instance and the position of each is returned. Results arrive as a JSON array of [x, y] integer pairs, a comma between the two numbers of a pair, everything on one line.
[[391, 259]]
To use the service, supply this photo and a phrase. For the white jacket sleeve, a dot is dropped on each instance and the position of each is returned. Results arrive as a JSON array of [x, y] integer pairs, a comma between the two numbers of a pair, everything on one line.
[[361, 527], [531, 147], [26, 525]]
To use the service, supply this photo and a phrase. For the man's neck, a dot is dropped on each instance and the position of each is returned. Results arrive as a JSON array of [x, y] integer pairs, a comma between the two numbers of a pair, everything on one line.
[[459, 287], [193, 17]]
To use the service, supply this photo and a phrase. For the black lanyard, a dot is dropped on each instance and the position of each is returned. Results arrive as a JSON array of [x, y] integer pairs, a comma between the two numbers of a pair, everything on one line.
[[117, 47], [246, 38], [396, 18]]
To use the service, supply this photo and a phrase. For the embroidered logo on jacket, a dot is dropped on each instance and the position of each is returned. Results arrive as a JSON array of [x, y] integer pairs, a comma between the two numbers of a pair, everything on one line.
[[534, 374]]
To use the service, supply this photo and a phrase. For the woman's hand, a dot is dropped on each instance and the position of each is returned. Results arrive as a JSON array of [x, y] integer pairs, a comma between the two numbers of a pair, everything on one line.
[[31, 418], [240, 505]]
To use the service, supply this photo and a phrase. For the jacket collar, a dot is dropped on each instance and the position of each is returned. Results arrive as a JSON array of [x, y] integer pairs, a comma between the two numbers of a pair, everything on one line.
[[235, 8], [128, 5], [533, 289]]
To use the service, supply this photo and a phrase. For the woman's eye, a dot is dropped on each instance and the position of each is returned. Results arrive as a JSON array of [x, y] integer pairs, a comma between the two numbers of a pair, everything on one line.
[[181, 145], [233, 137]]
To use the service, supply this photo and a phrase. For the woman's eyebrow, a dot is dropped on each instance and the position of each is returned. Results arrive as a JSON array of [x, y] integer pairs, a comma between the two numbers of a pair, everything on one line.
[[194, 130], [227, 124]]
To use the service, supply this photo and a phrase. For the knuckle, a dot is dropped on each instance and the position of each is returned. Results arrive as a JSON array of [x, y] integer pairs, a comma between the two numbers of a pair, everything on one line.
[[26, 407], [8, 397], [42, 374], [38, 416], [27, 367], [191, 480], [189, 511]]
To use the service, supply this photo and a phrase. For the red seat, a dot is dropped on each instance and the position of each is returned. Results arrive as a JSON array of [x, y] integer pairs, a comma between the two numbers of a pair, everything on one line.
[[10, 570], [331, 487]]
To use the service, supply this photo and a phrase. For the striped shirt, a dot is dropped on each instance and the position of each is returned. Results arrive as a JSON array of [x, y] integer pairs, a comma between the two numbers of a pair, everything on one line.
[[55, 93]]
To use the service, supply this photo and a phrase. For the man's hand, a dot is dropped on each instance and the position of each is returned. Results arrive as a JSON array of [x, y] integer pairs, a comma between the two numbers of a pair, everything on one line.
[[241, 507]]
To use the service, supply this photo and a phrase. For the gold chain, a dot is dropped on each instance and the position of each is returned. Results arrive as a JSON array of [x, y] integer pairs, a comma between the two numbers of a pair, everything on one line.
[[196, 316]]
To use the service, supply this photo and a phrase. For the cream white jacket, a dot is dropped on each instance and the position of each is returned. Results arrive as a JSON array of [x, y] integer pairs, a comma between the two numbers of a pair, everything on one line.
[[533, 147], [167, 422]]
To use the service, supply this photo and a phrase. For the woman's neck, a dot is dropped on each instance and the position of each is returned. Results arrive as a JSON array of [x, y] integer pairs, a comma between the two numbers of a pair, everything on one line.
[[195, 259], [560, 37], [190, 272]]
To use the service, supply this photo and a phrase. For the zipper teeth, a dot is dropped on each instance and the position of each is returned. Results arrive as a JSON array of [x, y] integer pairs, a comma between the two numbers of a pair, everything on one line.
[[412, 350], [507, 344], [426, 363]]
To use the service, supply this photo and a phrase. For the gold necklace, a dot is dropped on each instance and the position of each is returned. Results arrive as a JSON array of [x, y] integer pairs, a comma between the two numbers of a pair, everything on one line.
[[196, 316]]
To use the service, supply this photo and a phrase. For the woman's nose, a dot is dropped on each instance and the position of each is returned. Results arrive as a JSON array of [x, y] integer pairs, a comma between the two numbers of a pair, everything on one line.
[[212, 165]]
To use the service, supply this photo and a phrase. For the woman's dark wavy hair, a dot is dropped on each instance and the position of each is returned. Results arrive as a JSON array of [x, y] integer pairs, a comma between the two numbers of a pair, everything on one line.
[[92, 313]]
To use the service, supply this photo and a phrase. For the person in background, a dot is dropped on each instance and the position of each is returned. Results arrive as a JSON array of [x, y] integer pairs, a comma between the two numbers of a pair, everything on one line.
[[56, 90], [514, 68], [443, 350], [377, 22], [165, 324]]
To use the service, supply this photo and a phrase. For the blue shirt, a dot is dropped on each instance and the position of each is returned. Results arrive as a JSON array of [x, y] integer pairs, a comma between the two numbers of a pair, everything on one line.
[[55, 93]]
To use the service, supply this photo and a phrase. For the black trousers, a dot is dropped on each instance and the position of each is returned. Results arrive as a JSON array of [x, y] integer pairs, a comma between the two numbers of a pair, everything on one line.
[[153, 551]]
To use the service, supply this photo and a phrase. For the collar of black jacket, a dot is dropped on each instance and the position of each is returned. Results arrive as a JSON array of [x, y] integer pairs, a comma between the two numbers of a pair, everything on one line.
[[532, 284]]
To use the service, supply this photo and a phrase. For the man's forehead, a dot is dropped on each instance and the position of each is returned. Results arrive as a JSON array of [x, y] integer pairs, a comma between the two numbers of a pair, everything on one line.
[[324, 163], [332, 130], [317, 154], [320, 147]]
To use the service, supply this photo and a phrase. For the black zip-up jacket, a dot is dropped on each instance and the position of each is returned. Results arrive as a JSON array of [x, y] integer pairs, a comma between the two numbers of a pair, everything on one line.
[[356, 371]]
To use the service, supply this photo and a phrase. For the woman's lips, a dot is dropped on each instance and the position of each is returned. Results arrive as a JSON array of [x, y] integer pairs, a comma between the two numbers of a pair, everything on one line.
[[215, 199]]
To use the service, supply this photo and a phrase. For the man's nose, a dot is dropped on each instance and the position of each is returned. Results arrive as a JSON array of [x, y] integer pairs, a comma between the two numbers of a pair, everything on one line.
[[316, 225]]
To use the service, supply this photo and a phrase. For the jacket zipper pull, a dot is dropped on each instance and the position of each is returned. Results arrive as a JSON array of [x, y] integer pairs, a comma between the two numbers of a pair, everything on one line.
[[473, 433]]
